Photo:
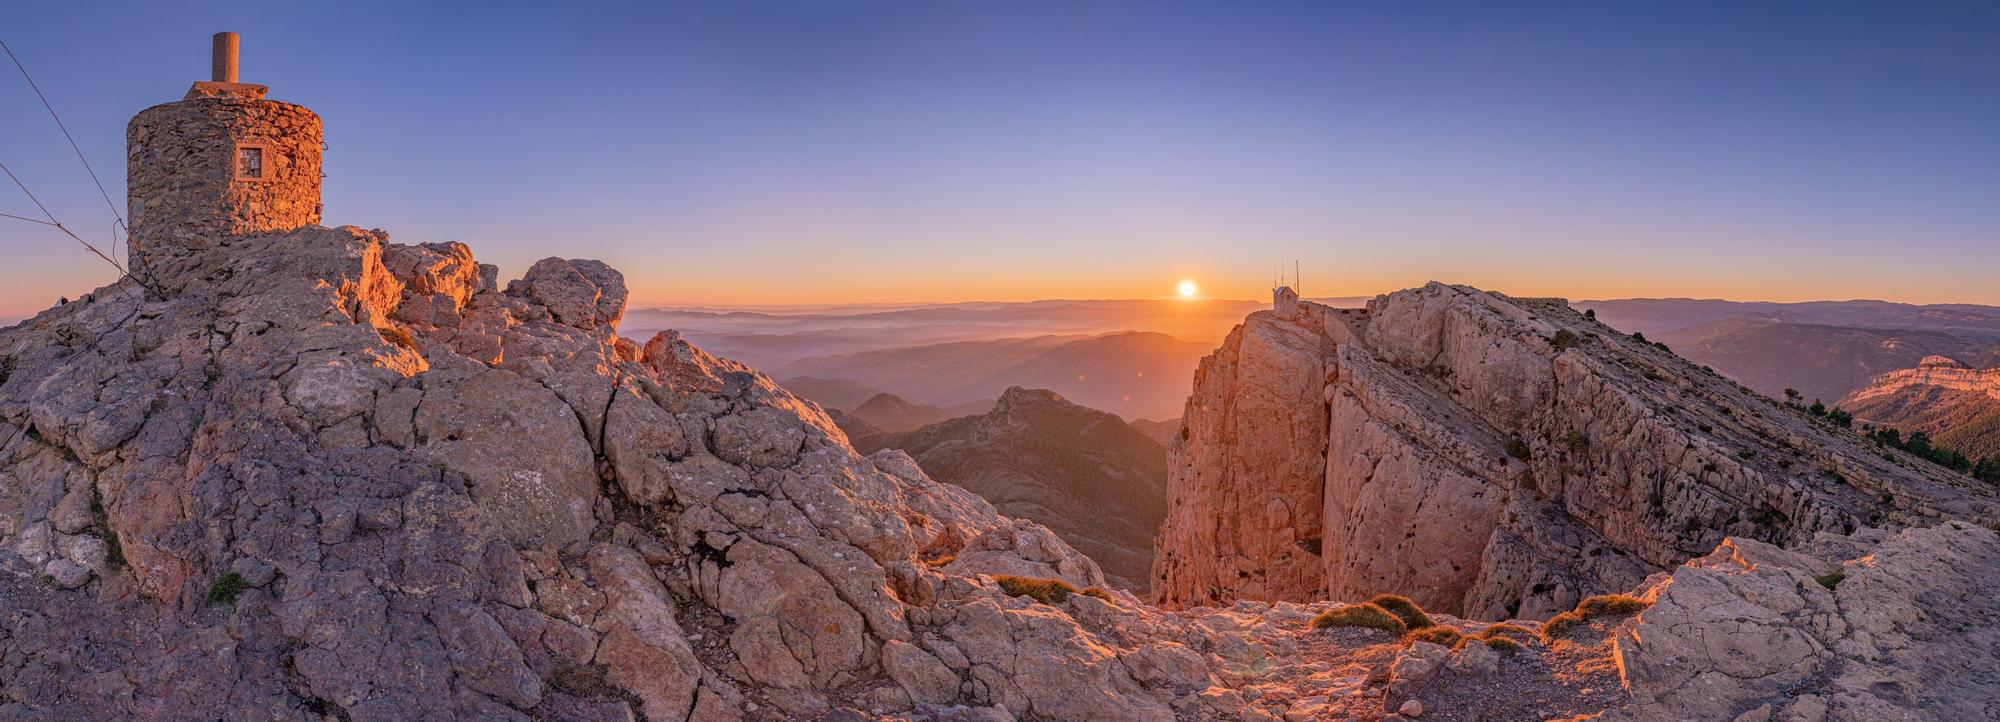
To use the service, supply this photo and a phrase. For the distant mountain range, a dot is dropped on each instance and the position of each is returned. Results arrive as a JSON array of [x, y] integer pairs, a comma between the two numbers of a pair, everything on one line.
[[1824, 349], [1820, 362], [842, 394], [1959, 407], [1136, 358], [1655, 316], [887, 412], [1100, 484], [769, 338], [1134, 374]]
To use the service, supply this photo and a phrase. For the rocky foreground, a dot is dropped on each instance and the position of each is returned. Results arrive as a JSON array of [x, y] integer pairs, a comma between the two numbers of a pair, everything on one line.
[[325, 477]]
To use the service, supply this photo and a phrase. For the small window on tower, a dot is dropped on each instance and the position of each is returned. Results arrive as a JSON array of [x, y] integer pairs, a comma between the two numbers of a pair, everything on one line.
[[250, 162]]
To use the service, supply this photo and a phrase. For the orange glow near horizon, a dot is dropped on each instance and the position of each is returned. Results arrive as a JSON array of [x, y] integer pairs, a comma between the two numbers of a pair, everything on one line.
[[907, 284]]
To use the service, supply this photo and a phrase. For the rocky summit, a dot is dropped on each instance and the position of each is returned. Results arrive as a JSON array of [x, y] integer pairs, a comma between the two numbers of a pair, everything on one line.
[[316, 476], [1496, 457]]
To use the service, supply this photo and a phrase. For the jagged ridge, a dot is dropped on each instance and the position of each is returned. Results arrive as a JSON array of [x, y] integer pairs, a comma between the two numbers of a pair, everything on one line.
[[1496, 457], [325, 477]]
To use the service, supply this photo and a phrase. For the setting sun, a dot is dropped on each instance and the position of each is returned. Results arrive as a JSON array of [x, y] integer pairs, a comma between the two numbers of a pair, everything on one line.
[[1187, 288]]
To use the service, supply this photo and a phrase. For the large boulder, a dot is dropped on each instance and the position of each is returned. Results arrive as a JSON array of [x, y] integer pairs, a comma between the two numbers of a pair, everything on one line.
[[581, 293], [1881, 627]]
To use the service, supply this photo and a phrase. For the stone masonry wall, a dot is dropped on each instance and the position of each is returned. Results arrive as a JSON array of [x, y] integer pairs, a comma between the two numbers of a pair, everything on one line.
[[182, 191]]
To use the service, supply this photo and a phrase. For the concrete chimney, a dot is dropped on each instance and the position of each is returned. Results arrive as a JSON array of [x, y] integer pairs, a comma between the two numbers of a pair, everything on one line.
[[222, 64]]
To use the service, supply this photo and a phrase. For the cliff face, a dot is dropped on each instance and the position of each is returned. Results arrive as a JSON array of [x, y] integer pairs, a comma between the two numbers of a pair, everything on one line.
[[1084, 473], [1958, 406], [1495, 457]]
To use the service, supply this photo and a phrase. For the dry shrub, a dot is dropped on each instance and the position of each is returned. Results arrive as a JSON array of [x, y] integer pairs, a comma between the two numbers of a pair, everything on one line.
[[1046, 591], [1602, 605], [1612, 605], [1412, 615], [1514, 632], [397, 335], [1436, 634], [1360, 615]]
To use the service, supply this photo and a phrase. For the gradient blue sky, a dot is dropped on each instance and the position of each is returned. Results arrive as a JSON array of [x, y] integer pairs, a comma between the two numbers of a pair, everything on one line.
[[791, 152]]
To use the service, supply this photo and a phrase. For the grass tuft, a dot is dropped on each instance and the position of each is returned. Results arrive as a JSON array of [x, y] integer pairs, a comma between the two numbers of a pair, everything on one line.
[[1831, 580], [1412, 615], [1503, 645], [1602, 605], [226, 588], [1513, 632], [1560, 625], [1098, 592], [1612, 605], [1436, 634], [1360, 615], [1046, 591]]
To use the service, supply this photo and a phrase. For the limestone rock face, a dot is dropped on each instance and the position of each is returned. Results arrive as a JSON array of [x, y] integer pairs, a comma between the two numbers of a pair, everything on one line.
[[1957, 406], [585, 294], [334, 477], [1245, 517], [1496, 457], [324, 477], [1875, 627]]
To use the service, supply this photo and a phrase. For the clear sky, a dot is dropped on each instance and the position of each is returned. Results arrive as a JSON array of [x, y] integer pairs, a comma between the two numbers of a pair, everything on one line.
[[801, 152]]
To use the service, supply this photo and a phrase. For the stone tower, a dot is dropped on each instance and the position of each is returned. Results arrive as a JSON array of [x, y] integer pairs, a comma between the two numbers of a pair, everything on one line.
[[223, 162]]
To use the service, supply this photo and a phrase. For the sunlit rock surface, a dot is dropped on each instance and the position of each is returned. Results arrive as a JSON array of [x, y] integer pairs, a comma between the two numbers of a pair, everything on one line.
[[1496, 457], [326, 477], [1957, 406]]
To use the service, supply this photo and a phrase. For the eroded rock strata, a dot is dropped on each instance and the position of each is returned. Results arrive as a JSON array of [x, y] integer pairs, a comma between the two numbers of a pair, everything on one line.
[[325, 477], [1495, 457], [1956, 405]]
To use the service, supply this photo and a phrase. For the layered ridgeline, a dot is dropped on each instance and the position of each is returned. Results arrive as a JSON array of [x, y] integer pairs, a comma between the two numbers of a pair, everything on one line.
[[323, 477], [1495, 457], [1956, 405], [1099, 483], [1820, 362]]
